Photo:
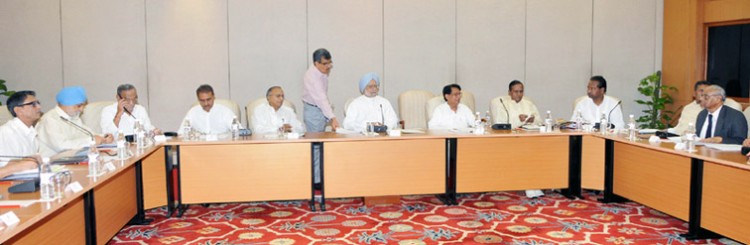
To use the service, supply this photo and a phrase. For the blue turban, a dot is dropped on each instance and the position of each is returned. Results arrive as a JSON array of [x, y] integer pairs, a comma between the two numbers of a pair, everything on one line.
[[366, 80], [71, 96]]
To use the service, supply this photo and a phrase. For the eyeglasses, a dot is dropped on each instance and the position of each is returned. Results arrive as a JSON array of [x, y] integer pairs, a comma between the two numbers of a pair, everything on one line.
[[33, 103], [705, 96]]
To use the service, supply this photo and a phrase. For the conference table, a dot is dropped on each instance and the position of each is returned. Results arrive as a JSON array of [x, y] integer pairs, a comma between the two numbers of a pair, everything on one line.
[[706, 188]]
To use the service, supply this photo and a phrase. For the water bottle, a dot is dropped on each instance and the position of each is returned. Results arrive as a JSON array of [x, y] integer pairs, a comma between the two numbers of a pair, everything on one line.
[[631, 129], [140, 135], [186, 130], [579, 120], [122, 150], [235, 128], [93, 155], [603, 124], [46, 183], [690, 137], [548, 122]]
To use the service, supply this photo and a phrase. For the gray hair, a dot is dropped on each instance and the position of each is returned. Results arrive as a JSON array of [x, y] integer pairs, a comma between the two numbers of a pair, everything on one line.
[[124, 87], [268, 92], [718, 90]]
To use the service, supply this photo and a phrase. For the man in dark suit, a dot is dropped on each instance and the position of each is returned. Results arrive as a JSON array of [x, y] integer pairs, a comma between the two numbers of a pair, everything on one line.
[[718, 123]]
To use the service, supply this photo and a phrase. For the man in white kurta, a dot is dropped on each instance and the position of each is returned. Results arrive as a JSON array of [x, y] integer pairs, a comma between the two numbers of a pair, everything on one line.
[[451, 114], [61, 128], [269, 118], [18, 138], [520, 110], [207, 117], [597, 103], [122, 114], [369, 107]]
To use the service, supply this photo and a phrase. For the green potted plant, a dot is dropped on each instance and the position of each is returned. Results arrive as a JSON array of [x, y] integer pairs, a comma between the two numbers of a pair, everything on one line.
[[658, 97], [4, 91]]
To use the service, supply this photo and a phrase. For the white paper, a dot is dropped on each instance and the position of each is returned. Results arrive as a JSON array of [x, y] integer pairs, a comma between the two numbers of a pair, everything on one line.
[[412, 131], [20, 203], [345, 131], [724, 147]]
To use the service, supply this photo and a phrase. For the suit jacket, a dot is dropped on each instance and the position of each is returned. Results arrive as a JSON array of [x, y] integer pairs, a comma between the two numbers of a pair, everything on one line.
[[731, 125]]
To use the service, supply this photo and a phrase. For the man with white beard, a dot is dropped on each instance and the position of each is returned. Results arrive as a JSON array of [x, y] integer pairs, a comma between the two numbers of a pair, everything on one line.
[[56, 130]]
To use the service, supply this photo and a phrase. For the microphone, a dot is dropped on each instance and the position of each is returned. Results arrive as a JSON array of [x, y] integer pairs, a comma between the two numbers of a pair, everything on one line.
[[78, 127], [381, 128], [503, 126], [610, 112], [382, 115]]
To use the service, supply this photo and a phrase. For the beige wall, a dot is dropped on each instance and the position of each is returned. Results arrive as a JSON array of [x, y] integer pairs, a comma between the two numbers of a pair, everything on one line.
[[168, 48]]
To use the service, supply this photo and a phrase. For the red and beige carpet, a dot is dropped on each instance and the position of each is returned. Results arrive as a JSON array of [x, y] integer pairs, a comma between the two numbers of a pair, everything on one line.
[[489, 218]]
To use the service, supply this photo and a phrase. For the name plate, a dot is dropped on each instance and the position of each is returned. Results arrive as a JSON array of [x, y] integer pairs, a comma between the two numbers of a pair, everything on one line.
[[9, 218], [74, 187]]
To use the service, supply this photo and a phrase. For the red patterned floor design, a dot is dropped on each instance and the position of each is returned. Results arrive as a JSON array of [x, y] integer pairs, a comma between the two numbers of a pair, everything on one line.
[[489, 218]]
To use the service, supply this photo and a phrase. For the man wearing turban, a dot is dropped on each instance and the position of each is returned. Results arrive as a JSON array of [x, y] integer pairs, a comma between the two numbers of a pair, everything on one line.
[[369, 107], [61, 128]]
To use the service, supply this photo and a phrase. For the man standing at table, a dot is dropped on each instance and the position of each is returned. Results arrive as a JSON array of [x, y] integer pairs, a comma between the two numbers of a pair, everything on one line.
[[18, 138], [318, 109], [122, 114], [451, 114], [718, 123], [520, 110], [598, 103], [207, 117], [369, 107], [690, 112], [61, 128], [272, 116]]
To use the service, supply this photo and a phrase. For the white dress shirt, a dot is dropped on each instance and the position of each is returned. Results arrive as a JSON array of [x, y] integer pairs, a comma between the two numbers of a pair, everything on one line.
[[714, 119], [364, 109], [514, 109], [17, 139], [445, 118], [216, 121], [127, 121], [592, 113], [57, 135], [689, 115], [266, 120]]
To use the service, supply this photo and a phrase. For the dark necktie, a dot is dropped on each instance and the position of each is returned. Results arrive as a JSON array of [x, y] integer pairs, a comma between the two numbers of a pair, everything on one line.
[[710, 125]]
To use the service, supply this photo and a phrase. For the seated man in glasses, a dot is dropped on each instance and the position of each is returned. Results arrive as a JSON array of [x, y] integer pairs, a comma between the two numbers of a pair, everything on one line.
[[18, 145], [717, 123]]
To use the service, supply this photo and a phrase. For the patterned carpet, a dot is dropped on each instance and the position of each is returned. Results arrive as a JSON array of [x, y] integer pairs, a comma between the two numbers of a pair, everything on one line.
[[489, 218]]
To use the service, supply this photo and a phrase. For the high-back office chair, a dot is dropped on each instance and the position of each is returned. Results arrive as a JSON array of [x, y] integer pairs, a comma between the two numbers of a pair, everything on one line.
[[346, 106], [747, 117], [250, 108], [229, 104], [497, 111], [92, 115], [733, 104], [467, 98], [411, 108], [5, 115]]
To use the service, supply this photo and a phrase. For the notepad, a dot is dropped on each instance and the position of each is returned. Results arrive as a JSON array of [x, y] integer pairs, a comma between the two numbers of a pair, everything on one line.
[[412, 131], [724, 147], [16, 203]]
